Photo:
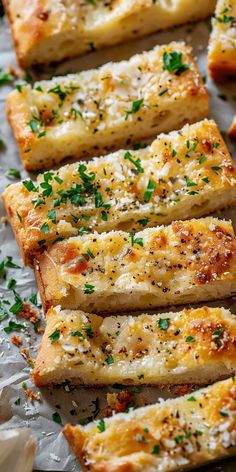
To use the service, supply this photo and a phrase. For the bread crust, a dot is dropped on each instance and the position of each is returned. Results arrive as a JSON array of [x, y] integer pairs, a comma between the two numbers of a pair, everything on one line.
[[91, 350], [45, 31], [98, 111], [222, 45], [163, 428], [122, 276], [167, 157], [232, 130]]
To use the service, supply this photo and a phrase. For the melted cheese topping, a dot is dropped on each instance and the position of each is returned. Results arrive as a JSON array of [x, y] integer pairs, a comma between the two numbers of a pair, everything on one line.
[[87, 112], [189, 173], [180, 433], [222, 52], [157, 262], [55, 29], [186, 347]]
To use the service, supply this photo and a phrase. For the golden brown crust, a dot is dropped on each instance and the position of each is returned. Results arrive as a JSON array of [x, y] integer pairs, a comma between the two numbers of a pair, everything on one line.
[[24, 141], [15, 227], [47, 31], [123, 275], [174, 435], [222, 71], [123, 186], [76, 441], [103, 119], [222, 44], [42, 283], [88, 349]]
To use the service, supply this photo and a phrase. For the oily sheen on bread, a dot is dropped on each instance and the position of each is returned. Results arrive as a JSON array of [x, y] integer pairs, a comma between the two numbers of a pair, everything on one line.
[[186, 262], [189, 347], [104, 109], [46, 31], [192, 171], [173, 435], [222, 47]]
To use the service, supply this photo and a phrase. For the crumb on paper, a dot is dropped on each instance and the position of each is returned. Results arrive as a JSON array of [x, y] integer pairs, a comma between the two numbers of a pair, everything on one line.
[[31, 394], [118, 403], [14, 72], [17, 340], [4, 220], [25, 353], [31, 314]]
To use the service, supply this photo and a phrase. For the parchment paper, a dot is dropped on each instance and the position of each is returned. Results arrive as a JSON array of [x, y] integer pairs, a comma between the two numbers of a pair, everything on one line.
[[17, 450], [53, 453]]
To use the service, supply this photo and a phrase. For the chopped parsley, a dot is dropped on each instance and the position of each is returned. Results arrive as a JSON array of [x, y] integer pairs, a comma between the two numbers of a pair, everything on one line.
[[202, 159], [11, 284], [52, 216], [33, 125], [143, 222], [79, 334], [149, 191], [55, 336], [101, 426], [179, 439], [136, 163], [190, 339], [90, 254], [45, 228], [163, 91], [12, 326], [3, 312], [29, 185], [6, 77], [163, 323], [217, 336], [224, 413], [156, 449], [33, 299], [216, 169], [224, 18], [18, 305], [173, 62], [134, 240], [89, 289], [56, 417], [188, 182], [109, 360], [136, 105], [192, 399], [88, 330], [191, 148], [59, 92], [10, 264], [15, 173]]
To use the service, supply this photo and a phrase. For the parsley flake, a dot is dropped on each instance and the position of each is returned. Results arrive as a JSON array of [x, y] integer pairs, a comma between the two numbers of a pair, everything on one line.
[[173, 62], [101, 426], [54, 336], [163, 323], [136, 105]]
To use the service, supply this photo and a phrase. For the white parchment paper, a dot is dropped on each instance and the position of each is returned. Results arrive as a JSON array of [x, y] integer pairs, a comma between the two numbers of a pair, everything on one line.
[[17, 450], [53, 453]]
